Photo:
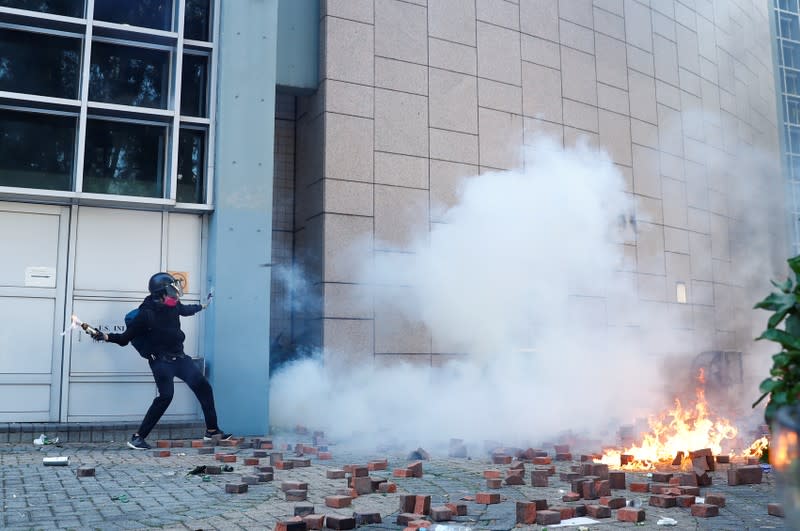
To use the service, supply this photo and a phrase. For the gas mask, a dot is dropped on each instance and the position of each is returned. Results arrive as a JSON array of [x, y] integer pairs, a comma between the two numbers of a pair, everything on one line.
[[173, 293]]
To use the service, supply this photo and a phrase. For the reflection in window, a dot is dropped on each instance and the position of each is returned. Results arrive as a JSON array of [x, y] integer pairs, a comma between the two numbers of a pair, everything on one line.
[[791, 54], [791, 81], [28, 162], [68, 8], [787, 5], [793, 110], [156, 14], [196, 21], [124, 158], [191, 166], [193, 85], [789, 27], [35, 63], [129, 76]]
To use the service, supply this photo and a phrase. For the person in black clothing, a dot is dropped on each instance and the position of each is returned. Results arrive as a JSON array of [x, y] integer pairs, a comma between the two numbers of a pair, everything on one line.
[[158, 321]]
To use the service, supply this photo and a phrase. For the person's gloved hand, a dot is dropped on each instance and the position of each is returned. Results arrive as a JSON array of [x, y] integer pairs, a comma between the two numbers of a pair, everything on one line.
[[99, 336]]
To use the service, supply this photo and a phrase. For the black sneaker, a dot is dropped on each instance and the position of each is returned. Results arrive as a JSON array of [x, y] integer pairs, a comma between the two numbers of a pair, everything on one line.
[[216, 434], [137, 443]]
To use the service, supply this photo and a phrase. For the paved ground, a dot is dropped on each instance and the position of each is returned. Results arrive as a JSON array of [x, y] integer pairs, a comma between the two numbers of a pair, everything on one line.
[[136, 490]]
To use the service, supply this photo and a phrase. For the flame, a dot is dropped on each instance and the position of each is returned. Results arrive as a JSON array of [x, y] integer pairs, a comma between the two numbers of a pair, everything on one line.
[[757, 448], [674, 434]]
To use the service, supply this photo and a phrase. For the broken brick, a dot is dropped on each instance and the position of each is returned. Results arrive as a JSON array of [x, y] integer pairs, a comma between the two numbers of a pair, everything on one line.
[[612, 502], [441, 513], [715, 498], [548, 517], [335, 521], [598, 511], [458, 509], [703, 480], [704, 510], [661, 500], [236, 488], [684, 500], [775, 509], [337, 501], [526, 512], [387, 487], [487, 498], [630, 514]]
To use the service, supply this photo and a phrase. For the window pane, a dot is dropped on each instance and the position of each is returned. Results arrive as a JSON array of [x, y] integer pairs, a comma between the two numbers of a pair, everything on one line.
[[124, 158], [196, 21], [793, 110], [790, 78], [789, 26], [28, 162], [194, 80], [35, 63], [156, 14], [129, 76], [191, 166], [69, 8], [788, 5], [791, 54]]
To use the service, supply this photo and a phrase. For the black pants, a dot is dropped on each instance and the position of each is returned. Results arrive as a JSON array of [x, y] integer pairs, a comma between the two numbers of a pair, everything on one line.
[[164, 371]]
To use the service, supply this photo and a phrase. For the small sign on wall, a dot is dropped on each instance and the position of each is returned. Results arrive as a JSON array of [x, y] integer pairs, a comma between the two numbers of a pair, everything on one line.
[[40, 277], [183, 278]]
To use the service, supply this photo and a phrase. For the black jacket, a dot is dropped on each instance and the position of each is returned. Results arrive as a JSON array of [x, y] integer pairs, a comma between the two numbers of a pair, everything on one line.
[[160, 325]]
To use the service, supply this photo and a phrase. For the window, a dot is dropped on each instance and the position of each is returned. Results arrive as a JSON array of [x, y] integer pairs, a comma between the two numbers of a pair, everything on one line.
[[191, 165], [787, 5], [28, 162], [196, 22], [793, 110], [38, 63], [156, 14], [791, 54], [124, 158], [67, 8], [129, 76], [194, 82], [791, 81], [788, 25]]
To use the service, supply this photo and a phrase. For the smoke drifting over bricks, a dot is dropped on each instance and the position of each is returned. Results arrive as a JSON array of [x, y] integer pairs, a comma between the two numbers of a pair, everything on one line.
[[528, 294]]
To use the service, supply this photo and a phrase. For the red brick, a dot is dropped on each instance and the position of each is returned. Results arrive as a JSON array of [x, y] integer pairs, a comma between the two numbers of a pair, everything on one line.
[[598, 511], [367, 518], [723, 459], [334, 473], [639, 486], [571, 497], [561, 448], [612, 502], [418, 524], [292, 524], [589, 490], [501, 459], [752, 460], [703, 480], [542, 460], [494, 483], [303, 509], [441, 514], [459, 509], [704, 510], [675, 482], [715, 498], [661, 477], [600, 470], [745, 475], [198, 444], [177, 444], [314, 521], [402, 473], [564, 457], [296, 495], [360, 471], [688, 479], [548, 517], [162, 444], [690, 491], [616, 479], [491, 474], [565, 512], [335, 521], [603, 487], [283, 465], [526, 512], [404, 518], [351, 493], [775, 509], [337, 502], [250, 479], [407, 502], [387, 487], [707, 455], [684, 500], [515, 479], [230, 443], [85, 471], [293, 485], [264, 476], [629, 514], [363, 485], [487, 498], [541, 504], [377, 465], [266, 446], [661, 500], [161, 453], [213, 469], [236, 488], [324, 456], [539, 478], [416, 469], [422, 504], [251, 461], [519, 465]]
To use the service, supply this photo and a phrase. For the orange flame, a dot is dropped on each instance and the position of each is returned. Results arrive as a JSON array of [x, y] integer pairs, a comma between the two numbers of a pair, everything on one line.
[[674, 431], [757, 448]]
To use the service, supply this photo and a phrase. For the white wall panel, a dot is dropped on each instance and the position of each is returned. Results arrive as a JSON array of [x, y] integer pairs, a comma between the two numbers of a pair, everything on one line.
[[27, 239], [26, 335], [124, 400], [116, 249], [25, 399], [184, 248]]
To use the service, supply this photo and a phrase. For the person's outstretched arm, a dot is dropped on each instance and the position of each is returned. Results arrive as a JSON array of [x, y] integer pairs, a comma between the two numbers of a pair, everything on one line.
[[186, 310], [135, 328]]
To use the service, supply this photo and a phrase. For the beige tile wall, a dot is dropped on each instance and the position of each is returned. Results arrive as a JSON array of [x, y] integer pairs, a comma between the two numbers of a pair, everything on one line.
[[417, 96]]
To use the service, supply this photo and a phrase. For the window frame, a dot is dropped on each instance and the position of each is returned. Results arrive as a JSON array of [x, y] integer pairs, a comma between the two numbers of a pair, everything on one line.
[[88, 31]]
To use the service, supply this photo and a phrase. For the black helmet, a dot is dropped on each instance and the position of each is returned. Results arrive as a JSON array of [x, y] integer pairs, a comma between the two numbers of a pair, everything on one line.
[[165, 284]]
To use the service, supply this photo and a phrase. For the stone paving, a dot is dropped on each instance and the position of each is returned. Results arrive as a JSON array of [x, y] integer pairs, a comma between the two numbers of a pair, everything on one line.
[[136, 490]]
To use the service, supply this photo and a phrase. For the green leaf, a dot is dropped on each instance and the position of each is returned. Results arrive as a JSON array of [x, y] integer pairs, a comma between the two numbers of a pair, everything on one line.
[[794, 264], [775, 301], [768, 385], [788, 341], [781, 398], [786, 287], [770, 411], [781, 360], [792, 324]]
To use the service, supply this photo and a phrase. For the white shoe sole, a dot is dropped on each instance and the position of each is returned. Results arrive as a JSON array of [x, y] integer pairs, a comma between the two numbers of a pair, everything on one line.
[[134, 447]]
